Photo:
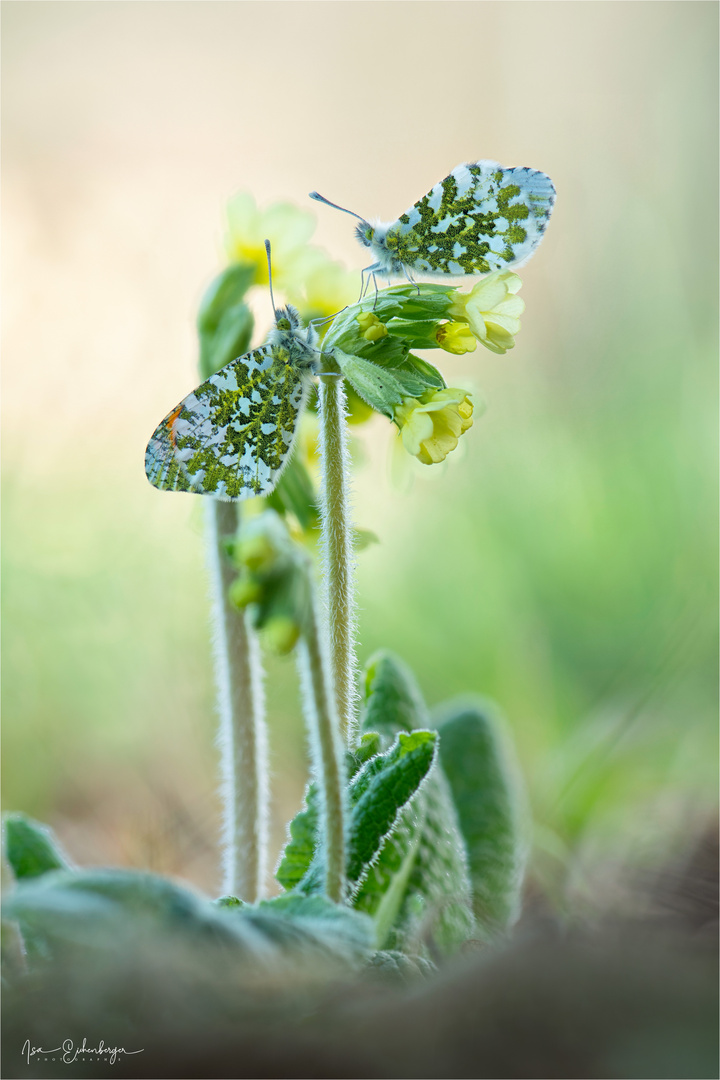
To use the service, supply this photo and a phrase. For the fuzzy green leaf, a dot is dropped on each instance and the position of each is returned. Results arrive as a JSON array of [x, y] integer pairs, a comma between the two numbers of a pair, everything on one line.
[[393, 701], [108, 908], [31, 848], [379, 793], [421, 872], [487, 792], [313, 923], [300, 848]]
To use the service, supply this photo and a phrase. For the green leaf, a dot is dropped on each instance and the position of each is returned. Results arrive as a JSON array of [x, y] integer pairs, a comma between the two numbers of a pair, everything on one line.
[[390, 965], [364, 538], [421, 872], [111, 908], [224, 321], [393, 701], [314, 924], [380, 791], [229, 340], [224, 292], [374, 384], [31, 848], [295, 494], [299, 851], [300, 848], [487, 792]]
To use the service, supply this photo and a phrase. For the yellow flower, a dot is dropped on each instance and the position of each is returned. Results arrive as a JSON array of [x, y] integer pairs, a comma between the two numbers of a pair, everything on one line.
[[287, 228], [456, 337], [370, 326], [431, 425], [492, 310], [319, 287]]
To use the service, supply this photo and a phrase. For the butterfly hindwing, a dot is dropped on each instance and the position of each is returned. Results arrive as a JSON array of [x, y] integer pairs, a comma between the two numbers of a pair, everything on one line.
[[480, 218], [232, 436]]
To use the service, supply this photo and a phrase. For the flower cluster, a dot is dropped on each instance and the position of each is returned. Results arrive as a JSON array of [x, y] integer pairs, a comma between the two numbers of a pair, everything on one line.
[[371, 340], [431, 425]]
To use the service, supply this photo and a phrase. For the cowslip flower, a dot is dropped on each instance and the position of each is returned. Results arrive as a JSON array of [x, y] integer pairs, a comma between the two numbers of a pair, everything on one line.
[[287, 228], [431, 425], [492, 310], [318, 286], [455, 337]]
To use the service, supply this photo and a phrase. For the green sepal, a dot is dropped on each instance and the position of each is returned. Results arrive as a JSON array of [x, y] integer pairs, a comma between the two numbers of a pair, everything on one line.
[[487, 791], [31, 849], [374, 384], [418, 334], [416, 376]]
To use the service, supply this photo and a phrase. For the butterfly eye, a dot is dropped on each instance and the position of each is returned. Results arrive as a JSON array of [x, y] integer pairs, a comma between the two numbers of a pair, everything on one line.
[[283, 324]]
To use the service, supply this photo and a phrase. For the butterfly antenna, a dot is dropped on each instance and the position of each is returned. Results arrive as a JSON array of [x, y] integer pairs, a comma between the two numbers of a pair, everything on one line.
[[272, 298], [321, 198]]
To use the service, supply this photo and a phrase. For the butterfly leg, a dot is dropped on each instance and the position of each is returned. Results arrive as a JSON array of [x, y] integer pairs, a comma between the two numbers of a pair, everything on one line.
[[410, 278]]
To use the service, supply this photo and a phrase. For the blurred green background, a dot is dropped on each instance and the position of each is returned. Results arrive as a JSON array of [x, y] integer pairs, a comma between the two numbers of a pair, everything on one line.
[[563, 564]]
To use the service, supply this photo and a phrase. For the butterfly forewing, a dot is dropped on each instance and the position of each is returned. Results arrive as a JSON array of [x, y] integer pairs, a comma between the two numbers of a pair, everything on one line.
[[232, 436], [480, 218]]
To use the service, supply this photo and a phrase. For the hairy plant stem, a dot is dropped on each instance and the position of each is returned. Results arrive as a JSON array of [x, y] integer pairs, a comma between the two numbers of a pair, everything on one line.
[[327, 751], [242, 737], [337, 550]]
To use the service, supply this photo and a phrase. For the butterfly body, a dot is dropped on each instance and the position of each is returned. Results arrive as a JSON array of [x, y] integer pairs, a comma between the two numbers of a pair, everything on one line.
[[480, 218], [233, 435]]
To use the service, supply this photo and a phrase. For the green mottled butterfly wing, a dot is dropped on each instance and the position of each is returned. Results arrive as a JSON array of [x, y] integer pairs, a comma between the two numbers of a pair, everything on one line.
[[480, 218], [232, 436]]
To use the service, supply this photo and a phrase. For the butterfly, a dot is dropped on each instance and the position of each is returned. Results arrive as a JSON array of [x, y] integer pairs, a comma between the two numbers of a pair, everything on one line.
[[480, 218], [234, 434]]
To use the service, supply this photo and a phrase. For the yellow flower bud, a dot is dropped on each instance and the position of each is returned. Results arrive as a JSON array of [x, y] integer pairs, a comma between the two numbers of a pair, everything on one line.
[[431, 425], [492, 310], [456, 337], [244, 591], [370, 326]]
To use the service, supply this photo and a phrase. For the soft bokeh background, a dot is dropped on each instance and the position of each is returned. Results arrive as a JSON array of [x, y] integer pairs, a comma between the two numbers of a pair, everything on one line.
[[563, 564]]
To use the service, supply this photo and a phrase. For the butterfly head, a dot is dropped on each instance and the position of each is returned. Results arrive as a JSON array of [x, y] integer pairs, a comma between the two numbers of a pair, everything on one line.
[[365, 233], [289, 332]]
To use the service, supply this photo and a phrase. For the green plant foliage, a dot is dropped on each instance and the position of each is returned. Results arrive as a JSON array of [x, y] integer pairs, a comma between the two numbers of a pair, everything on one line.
[[225, 322], [300, 848], [420, 879], [65, 911], [488, 797], [380, 791], [30, 848]]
